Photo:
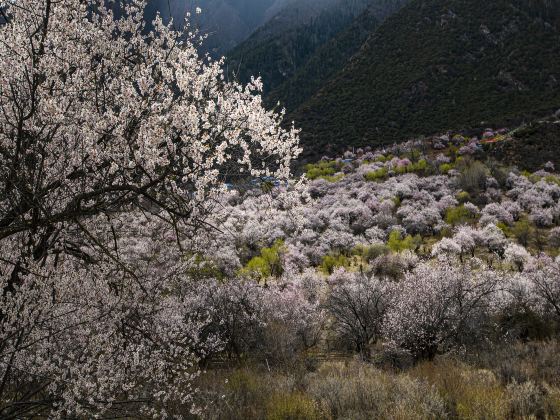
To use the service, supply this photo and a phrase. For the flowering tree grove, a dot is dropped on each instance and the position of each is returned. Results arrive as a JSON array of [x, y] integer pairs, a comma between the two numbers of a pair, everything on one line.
[[114, 143]]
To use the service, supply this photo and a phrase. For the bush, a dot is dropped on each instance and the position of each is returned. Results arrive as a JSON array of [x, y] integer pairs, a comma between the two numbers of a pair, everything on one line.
[[463, 197], [525, 400], [398, 244], [468, 393], [291, 407], [359, 391], [444, 168], [551, 179], [459, 215], [522, 230], [420, 166], [377, 175], [265, 265], [331, 262], [324, 169], [472, 178], [524, 361], [371, 252], [394, 266]]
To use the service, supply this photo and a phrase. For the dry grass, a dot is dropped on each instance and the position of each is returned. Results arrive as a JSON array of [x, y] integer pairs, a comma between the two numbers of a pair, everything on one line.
[[447, 387]]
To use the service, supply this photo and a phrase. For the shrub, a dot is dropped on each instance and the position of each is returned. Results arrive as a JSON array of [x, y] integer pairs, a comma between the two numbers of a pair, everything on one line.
[[333, 178], [522, 230], [472, 178], [459, 215], [323, 169], [393, 266], [420, 166], [359, 391], [291, 407], [525, 400], [265, 265], [377, 175], [468, 393], [331, 262], [551, 179], [498, 171], [463, 197], [371, 252], [398, 244], [444, 168]]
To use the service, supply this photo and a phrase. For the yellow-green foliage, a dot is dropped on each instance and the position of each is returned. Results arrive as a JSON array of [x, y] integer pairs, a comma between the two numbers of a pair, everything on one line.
[[420, 166], [323, 169], [469, 393], [414, 154], [370, 252], [532, 177], [446, 167], [459, 215], [463, 196], [381, 159], [333, 178], [377, 175], [330, 262], [503, 227], [266, 264], [522, 230], [397, 243], [551, 179], [400, 170], [294, 406]]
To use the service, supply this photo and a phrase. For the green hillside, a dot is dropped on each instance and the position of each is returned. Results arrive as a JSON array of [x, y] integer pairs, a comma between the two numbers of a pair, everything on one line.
[[440, 64], [323, 64]]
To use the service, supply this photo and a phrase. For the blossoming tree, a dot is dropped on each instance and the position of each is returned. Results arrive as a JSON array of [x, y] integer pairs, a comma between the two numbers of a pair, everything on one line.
[[114, 142]]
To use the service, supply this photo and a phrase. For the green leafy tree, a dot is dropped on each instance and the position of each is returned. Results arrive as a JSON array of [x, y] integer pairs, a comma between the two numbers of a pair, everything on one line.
[[267, 264]]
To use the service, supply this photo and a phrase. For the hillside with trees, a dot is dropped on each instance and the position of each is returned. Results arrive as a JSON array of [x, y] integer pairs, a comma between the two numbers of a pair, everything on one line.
[[162, 254], [331, 57], [440, 64], [279, 48]]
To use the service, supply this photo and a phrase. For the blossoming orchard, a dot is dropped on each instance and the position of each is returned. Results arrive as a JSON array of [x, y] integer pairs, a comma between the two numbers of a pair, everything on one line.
[[153, 229], [114, 146]]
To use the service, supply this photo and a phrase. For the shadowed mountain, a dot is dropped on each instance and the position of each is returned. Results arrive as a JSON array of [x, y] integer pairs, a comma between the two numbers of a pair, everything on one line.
[[439, 64], [283, 46]]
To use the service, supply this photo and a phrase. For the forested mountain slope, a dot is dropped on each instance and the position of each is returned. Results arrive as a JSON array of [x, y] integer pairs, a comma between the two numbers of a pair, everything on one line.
[[287, 41], [332, 56], [438, 64]]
